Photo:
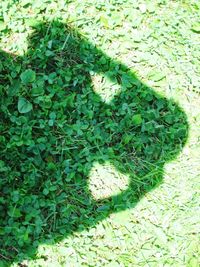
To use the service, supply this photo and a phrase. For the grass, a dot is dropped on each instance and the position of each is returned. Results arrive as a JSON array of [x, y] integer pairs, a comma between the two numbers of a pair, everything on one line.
[[99, 133]]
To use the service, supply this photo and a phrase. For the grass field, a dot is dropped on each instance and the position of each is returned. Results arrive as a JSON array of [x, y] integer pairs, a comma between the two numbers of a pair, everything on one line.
[[99, 133]]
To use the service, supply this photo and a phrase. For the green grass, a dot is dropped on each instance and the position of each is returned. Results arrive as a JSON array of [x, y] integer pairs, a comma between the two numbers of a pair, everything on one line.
[[99, 133]]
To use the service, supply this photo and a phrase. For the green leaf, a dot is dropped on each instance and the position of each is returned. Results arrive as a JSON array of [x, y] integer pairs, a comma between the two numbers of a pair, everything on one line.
[[45, 191], [37, 91], [14, 88], [156, 75], [196, 27], [24, 105], [104, 21], [127, 138], [14, 212], [69, 100], [2, 26], [28, 76], [137, 119]]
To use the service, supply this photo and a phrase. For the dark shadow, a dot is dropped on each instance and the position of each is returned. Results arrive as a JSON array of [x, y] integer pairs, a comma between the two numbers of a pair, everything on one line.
[[47, 153]]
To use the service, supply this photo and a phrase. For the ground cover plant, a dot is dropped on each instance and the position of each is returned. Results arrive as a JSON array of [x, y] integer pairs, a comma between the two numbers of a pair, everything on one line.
[[55, 126]]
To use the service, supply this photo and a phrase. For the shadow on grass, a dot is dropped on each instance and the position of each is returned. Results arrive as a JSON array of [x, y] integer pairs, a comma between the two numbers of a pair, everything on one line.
[[48, 152]]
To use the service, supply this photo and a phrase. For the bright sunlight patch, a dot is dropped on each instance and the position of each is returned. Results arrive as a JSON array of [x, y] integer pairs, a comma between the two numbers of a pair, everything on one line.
[[104, 87], [106, 181]]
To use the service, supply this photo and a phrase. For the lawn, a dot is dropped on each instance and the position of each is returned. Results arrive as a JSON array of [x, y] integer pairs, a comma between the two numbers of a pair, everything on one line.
[[99, 133]]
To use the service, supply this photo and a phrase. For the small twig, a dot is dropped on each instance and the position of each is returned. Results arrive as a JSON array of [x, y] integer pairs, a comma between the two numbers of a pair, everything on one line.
[[4, 257]]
